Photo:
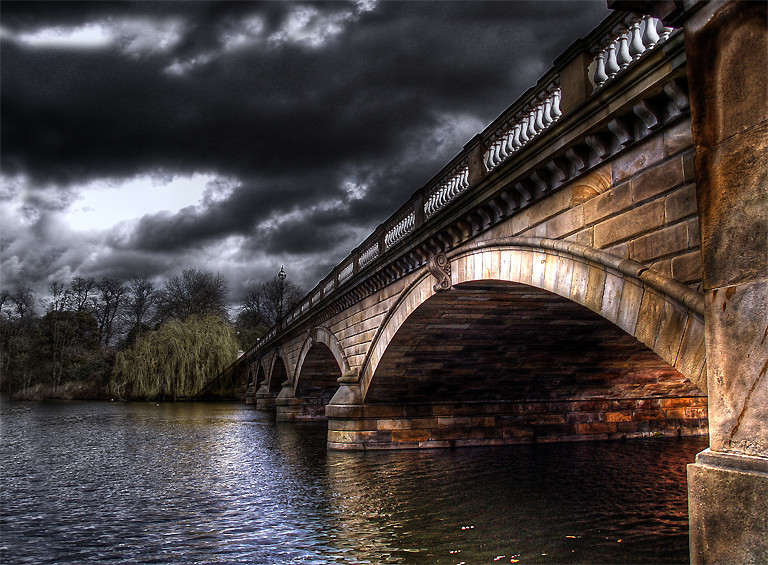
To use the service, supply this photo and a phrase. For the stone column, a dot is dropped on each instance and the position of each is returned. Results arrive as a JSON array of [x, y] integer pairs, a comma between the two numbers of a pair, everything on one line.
[[286, 404], [727, 60], [264, 399]]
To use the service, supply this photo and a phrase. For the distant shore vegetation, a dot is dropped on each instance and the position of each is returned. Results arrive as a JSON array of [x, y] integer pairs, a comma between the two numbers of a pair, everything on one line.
[[130, 340]]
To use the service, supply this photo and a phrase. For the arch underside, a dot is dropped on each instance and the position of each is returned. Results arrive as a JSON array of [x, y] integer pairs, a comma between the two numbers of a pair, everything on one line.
[[278, 375], [318, 378], [501, 341]]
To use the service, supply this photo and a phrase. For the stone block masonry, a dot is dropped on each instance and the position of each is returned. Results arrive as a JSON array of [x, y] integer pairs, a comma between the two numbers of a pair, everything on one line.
[[441, 425]]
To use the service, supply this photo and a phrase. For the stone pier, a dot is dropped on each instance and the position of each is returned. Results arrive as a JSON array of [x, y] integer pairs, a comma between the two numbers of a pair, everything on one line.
[[727, 53]]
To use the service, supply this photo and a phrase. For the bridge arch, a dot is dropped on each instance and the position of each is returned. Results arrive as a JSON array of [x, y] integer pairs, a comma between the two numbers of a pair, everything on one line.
[[278, 372], [324, 336], [660, 312], [259, 374]]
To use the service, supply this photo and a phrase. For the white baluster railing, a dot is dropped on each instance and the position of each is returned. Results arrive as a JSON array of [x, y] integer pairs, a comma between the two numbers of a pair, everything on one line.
[[536, 116], [346, 272], [369, 255], [400, 229], [626, 44], [457, 183]]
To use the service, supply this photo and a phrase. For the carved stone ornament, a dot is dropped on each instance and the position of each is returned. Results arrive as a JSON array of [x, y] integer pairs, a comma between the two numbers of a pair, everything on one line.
[[440, 267]]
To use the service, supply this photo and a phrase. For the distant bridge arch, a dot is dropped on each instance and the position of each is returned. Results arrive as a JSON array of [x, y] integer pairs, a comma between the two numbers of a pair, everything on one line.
[[320, 364], [278, 371], [324, 336]]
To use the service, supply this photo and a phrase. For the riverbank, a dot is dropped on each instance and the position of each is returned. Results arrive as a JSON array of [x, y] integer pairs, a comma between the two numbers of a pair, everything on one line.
[[73, 390]]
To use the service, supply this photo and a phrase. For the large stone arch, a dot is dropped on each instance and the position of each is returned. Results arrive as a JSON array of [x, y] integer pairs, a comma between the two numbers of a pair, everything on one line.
[[324, 336], [660, 312]]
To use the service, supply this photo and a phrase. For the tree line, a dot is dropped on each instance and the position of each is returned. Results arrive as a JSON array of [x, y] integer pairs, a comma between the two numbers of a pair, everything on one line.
[[130, 339]]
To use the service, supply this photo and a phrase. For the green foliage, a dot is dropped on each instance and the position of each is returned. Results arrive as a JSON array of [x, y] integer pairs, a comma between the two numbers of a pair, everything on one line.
[[174, 362]]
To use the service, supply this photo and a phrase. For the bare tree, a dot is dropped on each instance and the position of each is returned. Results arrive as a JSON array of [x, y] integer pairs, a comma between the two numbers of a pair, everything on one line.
[[23, 302], [139, 307], [83, 293], [261, 307], [111, 296], [194, 292]]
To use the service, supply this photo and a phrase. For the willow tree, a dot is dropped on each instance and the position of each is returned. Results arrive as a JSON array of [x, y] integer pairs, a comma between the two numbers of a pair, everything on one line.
[[174, 362]]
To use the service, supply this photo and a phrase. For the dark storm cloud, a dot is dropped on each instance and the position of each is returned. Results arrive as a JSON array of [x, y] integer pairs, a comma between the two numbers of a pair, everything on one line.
[[377, 98]]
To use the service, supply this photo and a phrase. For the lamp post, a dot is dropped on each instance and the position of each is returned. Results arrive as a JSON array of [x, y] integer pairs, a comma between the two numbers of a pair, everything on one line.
[[281, 275]]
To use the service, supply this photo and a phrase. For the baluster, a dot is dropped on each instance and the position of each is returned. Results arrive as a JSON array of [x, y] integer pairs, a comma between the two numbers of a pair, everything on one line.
[[502, 143], [516, 136], [650, 37], [509, 139], [611, 65], [556, 113], [662, 30], [496, 158], [491, 162], [497, 153], [636, 47], [547, 116], [487, 159], [539, 118], [600, 75], [532, 124], [492, 158], [623, 57], [524, 130]]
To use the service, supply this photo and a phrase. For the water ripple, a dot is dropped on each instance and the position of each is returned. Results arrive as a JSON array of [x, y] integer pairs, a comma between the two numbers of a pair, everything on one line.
[[213, 483]]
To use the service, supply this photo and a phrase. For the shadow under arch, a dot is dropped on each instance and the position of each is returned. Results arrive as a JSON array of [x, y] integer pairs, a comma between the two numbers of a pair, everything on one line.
[[260, 375], [278, 373], [663, 314], [324, 336]]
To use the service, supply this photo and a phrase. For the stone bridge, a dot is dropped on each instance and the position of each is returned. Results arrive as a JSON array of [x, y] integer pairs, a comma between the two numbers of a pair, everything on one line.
[[545, 285], [593, 265]]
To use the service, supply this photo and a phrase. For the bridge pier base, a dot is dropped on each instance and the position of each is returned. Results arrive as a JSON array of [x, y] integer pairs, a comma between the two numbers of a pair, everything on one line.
[[728, 508], [441, 425], [291, 409], [263, 399], [250, 394]]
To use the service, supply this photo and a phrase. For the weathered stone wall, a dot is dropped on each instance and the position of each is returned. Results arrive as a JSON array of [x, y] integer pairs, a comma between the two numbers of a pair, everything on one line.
[[641, 205], [440, 425]]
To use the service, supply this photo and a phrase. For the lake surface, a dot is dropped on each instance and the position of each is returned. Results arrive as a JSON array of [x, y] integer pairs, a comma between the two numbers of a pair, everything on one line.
[[84, 482]]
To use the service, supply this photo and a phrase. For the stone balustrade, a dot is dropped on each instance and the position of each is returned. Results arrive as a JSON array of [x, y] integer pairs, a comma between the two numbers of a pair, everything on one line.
[[398, 231], [346, 272], [446, 192], [369, 255], [537, 115], [627, 42]]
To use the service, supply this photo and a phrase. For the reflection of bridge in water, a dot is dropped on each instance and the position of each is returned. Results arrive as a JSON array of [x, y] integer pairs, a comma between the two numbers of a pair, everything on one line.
[[588, 267]]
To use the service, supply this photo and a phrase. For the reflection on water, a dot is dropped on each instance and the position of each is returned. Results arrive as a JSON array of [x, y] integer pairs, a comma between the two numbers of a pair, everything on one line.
[[215, 483]]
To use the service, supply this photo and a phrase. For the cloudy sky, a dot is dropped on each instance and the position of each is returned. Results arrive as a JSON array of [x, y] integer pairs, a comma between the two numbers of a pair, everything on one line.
[[144, 138]]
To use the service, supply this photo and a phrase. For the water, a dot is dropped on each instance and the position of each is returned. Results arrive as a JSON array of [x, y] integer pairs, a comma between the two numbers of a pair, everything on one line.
[[212, 483]]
